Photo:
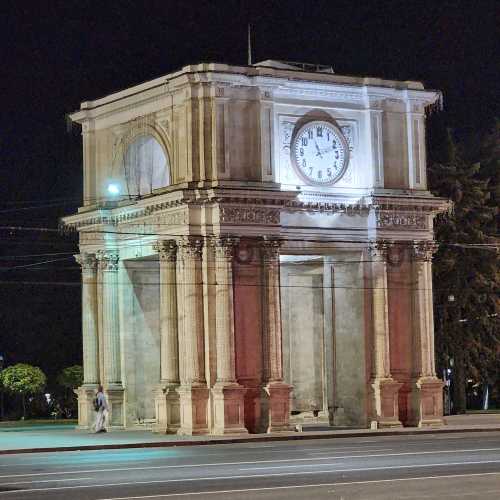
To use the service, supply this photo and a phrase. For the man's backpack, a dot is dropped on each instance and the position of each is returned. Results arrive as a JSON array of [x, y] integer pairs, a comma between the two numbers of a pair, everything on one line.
[[97, 404]]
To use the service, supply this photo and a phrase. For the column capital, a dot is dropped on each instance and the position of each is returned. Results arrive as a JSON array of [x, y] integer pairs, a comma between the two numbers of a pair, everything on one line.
[[167, 250], [224, 246], [423, 250], [191, 247], [271, 249], [87, 261], [392, 252], [108, 260], [378, 249]]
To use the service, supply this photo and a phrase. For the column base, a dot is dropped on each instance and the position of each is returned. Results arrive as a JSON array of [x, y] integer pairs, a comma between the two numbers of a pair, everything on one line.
[[167, 409], [252, 403], [276, 407], [385, 404], [229, 408], [86, 413], [193, 410], [115, 395], [426, 402]]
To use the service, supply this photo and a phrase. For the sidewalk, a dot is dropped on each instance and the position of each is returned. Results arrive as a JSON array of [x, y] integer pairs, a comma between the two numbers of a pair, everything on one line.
[[32, 439]]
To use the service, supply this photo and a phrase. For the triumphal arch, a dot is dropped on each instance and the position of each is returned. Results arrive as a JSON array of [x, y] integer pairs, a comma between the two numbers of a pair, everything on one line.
[[255, 245]]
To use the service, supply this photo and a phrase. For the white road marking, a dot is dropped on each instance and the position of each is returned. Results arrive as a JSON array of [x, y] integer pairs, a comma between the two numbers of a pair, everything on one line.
[[360, 450], [155, 467], [320, 485], [334, 449], [48, 481], [247, 476]]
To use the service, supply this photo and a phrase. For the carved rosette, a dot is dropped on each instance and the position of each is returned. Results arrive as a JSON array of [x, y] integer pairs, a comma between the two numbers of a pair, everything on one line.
[[423, 251], [87, 261], [191, 247], [224, 247], [167, 250], [271, 250], [108, 260]]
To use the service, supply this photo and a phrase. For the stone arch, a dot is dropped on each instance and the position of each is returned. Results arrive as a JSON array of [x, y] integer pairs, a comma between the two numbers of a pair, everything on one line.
[[140, 141]]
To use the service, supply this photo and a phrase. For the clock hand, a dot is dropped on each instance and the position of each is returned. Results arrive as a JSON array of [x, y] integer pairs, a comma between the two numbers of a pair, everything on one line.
[[318, 150]]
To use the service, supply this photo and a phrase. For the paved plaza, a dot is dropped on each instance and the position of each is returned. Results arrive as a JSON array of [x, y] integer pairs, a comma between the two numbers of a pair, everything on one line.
[[59, 437]]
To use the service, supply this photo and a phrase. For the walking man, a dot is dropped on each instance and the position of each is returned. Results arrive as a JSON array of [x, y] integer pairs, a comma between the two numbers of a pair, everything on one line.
[[102, 409]]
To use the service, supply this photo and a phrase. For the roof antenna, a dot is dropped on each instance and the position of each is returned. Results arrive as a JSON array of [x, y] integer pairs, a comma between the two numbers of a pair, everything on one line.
[[249, 44]]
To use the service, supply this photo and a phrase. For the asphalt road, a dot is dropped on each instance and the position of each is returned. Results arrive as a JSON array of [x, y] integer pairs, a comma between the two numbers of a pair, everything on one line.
[[401, 467]]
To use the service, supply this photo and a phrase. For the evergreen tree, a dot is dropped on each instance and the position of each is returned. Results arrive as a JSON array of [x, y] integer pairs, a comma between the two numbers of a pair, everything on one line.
[[466, 276]]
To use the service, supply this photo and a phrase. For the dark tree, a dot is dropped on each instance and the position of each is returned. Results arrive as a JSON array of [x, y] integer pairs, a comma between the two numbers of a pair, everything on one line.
[[466, 276]]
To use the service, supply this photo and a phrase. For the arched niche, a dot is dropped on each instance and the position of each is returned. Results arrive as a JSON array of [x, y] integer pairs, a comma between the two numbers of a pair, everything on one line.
[[146, 166]]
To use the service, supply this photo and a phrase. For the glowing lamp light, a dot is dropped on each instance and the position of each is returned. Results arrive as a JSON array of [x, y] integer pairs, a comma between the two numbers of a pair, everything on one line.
[[113, 189]]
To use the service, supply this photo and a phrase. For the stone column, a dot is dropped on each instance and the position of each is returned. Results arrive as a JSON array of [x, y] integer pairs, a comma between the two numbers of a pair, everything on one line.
[[108, 263], [276, 400], [166, 396], [427, 389], [87, 391], [384, 397], [227, 393], [193, 390]]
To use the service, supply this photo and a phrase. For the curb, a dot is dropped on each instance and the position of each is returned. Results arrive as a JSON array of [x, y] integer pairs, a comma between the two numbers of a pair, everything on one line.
[[258, 439]]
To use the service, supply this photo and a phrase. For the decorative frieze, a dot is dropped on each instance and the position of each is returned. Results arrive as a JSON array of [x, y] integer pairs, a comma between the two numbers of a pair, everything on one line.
[[401, 220], [172, 218], [249, 215], [338, 96]]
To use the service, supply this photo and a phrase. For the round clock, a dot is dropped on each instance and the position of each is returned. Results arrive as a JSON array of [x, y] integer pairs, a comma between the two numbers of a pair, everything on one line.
[[320, 153]]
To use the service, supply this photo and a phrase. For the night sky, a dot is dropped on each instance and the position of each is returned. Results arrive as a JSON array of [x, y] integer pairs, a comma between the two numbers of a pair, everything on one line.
[[55, 54]]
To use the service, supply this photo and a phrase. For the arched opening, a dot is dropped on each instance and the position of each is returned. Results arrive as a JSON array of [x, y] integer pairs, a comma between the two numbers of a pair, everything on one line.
[[146, 166]]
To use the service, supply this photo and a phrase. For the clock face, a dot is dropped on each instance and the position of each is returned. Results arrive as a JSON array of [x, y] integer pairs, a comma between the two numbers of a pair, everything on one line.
[[319, 153]]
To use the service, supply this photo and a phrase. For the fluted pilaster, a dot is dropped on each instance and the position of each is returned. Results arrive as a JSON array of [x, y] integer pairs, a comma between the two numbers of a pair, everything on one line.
[[423, 315], [273, 363], [427, 397], [229, 411], [88, 264], [224, 253], [276, 397], [169, 350], [384, 398], [191, 253], [378, 252], [108, 263], [192, 391]]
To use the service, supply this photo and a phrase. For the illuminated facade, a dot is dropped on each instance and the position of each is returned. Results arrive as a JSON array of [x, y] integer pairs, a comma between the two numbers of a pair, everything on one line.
[[256, 249]]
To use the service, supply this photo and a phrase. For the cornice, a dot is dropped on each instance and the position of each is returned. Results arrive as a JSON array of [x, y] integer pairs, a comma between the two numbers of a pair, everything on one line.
[[265, 206]]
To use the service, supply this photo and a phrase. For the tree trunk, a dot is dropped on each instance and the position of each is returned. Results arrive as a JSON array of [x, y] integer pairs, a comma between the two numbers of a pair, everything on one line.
[[459, 382], [24, 405]]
